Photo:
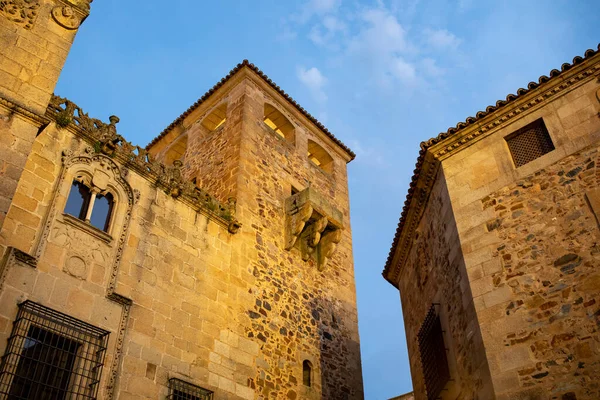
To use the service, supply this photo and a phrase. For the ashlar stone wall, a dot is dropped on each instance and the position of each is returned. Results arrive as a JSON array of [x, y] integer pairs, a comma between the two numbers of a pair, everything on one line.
[[528, 237]]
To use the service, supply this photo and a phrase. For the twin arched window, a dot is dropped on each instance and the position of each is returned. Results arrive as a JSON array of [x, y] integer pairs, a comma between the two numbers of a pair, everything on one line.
[[89, 206]]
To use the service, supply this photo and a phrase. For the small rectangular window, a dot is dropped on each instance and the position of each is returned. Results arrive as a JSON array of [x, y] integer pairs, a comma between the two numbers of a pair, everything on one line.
[[51, 355], [434, 360], [181, 390], [529, 143]]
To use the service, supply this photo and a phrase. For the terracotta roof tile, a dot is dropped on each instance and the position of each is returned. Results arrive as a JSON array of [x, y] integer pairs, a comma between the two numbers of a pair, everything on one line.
[[246, 63], [461, 125]]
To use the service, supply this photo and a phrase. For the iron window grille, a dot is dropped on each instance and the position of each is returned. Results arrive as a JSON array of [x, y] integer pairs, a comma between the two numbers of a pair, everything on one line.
[[434, 360], [51, 356], [181, 390], [530, 142]]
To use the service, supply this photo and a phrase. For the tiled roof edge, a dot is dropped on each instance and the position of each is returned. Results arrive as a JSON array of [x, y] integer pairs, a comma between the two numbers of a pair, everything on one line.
[[460, 126], [246, 63]]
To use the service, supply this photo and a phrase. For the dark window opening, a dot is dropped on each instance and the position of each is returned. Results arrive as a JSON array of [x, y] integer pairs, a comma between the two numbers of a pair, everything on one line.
[[181, 390], [51, 356], [434, 360], [307, 373], [529, 143], [102, 211], [78, 201]]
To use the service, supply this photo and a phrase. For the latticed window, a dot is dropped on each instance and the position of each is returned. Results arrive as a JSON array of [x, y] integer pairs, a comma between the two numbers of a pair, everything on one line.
[[529, 143], [434, 360], [181, 390], [51, 356]]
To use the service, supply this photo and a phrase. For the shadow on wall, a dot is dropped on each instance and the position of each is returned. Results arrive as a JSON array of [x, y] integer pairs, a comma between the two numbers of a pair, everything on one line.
[[340, 370]]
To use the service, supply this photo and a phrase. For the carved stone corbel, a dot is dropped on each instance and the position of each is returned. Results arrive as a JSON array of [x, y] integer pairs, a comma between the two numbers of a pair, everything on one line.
[[328, 245], [296, 222], [316, 223]]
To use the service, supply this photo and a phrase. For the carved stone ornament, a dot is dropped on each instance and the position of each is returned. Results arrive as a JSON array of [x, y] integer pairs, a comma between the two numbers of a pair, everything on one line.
[[66, 17], [107, 141], [21, 12], [313, 223]]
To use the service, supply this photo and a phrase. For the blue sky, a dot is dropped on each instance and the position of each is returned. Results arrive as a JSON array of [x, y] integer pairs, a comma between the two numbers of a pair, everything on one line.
[[381, 75]]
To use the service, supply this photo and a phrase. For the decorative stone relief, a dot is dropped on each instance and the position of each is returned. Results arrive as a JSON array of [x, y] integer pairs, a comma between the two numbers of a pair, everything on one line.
[[107, 141], [313, 223], [21, 12], [76, 266], [66, 17]]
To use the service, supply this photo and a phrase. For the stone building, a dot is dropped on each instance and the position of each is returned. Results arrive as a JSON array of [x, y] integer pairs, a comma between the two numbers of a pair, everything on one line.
[[214, 263], [497, 251]]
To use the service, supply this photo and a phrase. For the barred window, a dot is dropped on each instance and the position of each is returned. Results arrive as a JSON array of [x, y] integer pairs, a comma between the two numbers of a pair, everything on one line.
[[51, 356], [434, 360], [181, 390], [529, 143]]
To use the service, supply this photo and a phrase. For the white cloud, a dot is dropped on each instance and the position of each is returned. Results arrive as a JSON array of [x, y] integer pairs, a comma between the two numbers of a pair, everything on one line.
[[382, 35], [323, 6], [324, 34], [314, 81], [429, 66], [403, 71], [441, 39]]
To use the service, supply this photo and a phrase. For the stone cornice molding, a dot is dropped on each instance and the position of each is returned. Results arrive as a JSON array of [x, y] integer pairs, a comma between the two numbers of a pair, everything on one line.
[[485, 123], [104, 139], [16, 109]]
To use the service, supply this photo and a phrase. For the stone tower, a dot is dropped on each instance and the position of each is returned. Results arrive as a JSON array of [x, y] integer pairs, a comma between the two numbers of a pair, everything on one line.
[[496, 255], [215, 263]]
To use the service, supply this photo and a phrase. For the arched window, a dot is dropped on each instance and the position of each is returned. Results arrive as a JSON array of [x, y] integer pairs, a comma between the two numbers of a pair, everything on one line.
[[216, 118], [102, 211], [320, 157], [78, 201], [275, 120], [91, 207], [177, 150], [307, 373]]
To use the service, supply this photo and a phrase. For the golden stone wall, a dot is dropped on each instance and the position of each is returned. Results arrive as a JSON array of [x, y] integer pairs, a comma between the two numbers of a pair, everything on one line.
[[507, 255], [191, 286], [35, 38]]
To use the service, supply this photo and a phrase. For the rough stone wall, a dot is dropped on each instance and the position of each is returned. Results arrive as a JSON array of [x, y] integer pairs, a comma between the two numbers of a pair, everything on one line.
[[547, 261], [435, 273], [299, 313], [484, 172], [212, 158], [34, 50]]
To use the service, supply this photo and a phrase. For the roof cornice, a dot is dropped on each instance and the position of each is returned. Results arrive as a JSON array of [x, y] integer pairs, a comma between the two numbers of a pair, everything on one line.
[[466, 133]]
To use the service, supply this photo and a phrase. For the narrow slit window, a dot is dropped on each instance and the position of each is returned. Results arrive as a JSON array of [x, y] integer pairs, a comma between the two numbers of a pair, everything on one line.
[[307, 373], [529, 143], [51, 355]]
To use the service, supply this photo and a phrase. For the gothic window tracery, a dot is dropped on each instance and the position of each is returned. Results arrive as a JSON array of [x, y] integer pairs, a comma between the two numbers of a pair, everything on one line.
[[89, 203]]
